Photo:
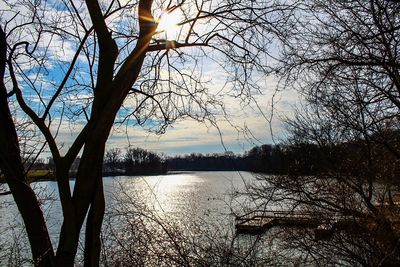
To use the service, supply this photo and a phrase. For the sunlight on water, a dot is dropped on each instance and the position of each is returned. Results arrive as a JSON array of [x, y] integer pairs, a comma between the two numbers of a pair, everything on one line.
[[170, 192], [183, 199], [182, 196]]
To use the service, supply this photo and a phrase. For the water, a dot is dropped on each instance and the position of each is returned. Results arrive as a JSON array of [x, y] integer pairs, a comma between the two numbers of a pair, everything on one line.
[[181, 196], [180, 219], [185, 200]]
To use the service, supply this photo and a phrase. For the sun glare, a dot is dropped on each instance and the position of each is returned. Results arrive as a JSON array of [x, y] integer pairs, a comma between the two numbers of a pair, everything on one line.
[[167, 25]]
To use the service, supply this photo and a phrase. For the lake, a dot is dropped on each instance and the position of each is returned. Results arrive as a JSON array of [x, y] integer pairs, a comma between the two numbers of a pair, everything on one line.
[[188, 203]]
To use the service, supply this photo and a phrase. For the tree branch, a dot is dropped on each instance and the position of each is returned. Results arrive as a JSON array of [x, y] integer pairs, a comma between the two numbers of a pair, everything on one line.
[[167, 44]]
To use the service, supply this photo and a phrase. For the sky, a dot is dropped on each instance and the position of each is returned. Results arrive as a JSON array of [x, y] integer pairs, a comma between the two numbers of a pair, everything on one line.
[[248, 126], [245, 125]]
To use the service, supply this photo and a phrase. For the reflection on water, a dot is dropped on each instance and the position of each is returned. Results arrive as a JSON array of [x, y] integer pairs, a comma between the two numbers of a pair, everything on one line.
[[174, 220], [184, 198]]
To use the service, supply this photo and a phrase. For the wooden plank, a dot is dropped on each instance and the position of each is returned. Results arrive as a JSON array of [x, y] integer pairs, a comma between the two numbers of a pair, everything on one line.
[[259, 221]]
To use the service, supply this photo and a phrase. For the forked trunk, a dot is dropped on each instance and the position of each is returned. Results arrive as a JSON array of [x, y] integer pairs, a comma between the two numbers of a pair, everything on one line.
[[88, 200]]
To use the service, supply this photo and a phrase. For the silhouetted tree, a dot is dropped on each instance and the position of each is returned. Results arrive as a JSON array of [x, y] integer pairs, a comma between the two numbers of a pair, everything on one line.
[[98, 56], [343, 57], [210, 162], [13, 170], [141, 161], [112, 160]]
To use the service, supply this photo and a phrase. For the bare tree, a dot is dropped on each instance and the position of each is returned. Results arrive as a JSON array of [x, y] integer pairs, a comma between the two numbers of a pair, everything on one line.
[[84, 61], [12, 167], [343, 56], [112, 158]]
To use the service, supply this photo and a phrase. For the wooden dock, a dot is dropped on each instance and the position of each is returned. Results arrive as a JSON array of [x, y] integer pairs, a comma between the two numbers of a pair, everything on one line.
[[259, 221]]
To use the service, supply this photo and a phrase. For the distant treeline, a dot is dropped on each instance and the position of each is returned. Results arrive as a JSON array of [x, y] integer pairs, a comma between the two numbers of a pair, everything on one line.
[[258, 159], [294, 158], [269, 159], [135, 161], [265, 158]]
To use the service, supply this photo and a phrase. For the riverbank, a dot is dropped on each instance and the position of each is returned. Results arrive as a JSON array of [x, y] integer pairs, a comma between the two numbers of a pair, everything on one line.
[[35, 175], [48, 175]]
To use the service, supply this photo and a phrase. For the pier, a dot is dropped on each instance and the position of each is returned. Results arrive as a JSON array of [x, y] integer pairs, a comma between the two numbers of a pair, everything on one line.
[[259, 221]]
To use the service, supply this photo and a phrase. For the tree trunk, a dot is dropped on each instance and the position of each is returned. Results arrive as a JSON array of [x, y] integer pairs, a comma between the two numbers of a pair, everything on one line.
[[67, 238], [88, 194], [110, 93], [93, 227], [12, 167], [29, 208]]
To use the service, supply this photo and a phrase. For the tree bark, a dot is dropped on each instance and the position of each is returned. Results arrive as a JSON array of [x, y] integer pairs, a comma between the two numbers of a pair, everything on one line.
[[14, 173], [87, 197], [109, 95], [93, 227]]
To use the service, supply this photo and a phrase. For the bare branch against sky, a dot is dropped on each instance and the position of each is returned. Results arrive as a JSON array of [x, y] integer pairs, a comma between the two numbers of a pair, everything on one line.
[[85, 65]]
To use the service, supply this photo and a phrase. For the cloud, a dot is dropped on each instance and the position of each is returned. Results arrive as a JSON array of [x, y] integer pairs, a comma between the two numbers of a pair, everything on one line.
[[242, 128], [245, 120]]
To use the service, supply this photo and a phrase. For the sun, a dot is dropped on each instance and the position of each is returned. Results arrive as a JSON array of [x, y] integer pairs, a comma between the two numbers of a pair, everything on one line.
[[168, 25]]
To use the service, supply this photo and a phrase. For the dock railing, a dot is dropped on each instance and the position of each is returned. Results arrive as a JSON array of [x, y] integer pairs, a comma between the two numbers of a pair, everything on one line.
[[273, 214]]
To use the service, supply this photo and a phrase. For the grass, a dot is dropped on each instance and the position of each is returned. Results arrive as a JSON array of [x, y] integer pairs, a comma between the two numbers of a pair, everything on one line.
[[34, 175]]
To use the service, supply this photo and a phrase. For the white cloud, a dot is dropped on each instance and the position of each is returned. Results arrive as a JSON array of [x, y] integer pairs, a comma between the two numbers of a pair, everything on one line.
[[249, 115]]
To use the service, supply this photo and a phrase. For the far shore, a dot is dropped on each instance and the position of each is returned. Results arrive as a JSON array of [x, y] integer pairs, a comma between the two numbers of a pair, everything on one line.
[[40, 175]]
